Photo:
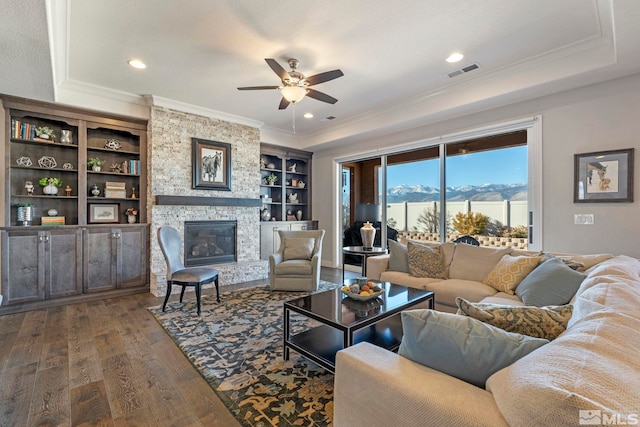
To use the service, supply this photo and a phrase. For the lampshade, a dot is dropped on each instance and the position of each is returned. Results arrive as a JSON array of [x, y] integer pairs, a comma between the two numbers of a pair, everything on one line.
[[293, 93]]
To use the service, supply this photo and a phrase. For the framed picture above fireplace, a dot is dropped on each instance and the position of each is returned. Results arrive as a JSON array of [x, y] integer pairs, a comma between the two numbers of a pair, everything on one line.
[[211, 165]]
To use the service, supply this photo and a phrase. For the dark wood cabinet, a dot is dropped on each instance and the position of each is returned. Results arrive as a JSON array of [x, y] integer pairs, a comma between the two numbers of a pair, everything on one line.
[[40, 265], [45, 265], [285, 187], [115, 258]]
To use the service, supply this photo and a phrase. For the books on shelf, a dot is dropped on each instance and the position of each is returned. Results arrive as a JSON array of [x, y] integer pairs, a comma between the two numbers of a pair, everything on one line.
[[131, 167], [53, 220], [115, 190], [23, 130]]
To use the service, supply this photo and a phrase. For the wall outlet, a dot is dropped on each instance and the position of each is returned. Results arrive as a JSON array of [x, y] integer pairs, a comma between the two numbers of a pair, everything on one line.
[[583, 219]]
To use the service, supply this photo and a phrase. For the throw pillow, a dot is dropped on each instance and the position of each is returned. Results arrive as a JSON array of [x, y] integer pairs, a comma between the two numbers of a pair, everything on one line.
[[398, 256], [298, 248], [474, 262], [574, 265], [539, 322], [425, 261], [460, 346], [552, 283], [509, 272]]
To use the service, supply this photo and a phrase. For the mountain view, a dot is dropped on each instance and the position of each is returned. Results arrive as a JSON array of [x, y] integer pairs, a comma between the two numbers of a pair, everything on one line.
[[484, 192]]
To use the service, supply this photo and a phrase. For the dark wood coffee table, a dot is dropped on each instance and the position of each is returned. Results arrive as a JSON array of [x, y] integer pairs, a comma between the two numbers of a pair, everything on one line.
[[345, 322]]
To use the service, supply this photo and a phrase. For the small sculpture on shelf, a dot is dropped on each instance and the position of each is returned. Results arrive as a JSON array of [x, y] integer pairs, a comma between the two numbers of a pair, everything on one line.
[[67, 190], [116, 167], [293, 198], [47, 162], [29, 187], [292, 168], [112, 144], [67, 166], [94, 191], [24, 161], [133, 193], [66, 136]]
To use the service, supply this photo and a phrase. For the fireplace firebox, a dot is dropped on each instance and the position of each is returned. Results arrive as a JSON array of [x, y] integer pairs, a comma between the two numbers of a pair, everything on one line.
[[209, 242]]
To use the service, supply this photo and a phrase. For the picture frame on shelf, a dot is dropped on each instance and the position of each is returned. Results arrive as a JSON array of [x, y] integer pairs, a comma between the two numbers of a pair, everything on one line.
[[603, 177], [211, 165], [104, 213]]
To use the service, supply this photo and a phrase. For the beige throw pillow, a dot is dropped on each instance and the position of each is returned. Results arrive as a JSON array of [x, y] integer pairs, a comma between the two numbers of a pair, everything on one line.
[[509, 272], [540, 322], [474, 262], [298, 248], [425, 261]]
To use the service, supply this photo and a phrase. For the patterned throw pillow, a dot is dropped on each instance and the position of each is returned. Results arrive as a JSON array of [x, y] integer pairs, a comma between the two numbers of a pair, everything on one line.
[[425, 261], [509, 272], [540, 322]]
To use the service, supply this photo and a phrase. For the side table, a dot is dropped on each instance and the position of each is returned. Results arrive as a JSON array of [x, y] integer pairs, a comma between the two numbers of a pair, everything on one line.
[[364, 253]]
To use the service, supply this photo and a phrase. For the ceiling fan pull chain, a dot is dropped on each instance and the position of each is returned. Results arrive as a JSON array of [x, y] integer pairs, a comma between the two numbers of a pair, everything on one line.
[[293, 117]]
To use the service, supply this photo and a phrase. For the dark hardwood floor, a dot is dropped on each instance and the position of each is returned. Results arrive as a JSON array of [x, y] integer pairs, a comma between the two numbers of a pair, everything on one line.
[[106, 363]]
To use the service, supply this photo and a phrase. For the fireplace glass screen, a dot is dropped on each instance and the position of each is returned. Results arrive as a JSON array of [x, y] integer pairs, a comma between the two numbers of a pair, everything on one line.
[[209, 242]]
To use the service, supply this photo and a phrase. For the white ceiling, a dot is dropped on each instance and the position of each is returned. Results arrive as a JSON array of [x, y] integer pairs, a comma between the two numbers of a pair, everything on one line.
[[392, 53]]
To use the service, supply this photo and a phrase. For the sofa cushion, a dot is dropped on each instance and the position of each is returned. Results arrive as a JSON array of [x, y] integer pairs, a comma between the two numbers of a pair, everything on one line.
[[502, 299], [398, 256], [552, 283], [446, 291], [593, 366], [539, 322], [298, 248], [294, 267], [425, 261], [405, 279], [474, 262], [461, 346], [510, 271]]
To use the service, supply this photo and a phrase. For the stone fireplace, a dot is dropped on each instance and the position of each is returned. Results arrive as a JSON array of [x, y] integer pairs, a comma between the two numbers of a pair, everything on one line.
[[173, 202], [209, 242]]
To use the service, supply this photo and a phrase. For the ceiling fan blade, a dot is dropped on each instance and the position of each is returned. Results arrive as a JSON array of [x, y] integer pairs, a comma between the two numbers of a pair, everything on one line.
[[258, 87], [281, 72], [283, 104], [324, 77], [311, 93]]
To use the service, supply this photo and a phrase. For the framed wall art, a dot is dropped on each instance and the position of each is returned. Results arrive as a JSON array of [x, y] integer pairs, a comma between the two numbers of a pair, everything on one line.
[[603, 177], [104, 213], [211, 165]]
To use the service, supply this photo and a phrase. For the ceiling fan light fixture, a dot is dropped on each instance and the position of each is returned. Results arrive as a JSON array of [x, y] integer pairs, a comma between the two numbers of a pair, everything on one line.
[[293, 93]]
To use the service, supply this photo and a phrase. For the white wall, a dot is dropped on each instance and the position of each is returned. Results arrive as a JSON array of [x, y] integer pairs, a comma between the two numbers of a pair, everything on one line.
[[595, 118]]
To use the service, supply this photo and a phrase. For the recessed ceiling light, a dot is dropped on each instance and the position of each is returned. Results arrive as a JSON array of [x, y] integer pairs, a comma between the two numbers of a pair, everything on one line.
[[308, 115], [136, 63], [455, 57]]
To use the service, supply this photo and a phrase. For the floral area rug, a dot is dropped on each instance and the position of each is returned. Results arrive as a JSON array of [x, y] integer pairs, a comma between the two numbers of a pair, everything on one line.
[[236, 345]]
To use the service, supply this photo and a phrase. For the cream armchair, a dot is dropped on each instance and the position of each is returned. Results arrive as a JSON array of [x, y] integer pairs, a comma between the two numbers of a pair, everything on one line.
[[296, 265]]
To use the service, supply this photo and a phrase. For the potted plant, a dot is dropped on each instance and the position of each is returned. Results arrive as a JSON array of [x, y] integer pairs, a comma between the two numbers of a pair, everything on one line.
[[131, 215], [44, 132], [95, 163], [50, 185], [25, 213], [271, 179]]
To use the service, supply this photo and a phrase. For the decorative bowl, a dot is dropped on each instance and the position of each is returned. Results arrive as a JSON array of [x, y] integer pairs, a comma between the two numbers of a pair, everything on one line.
[[359, 297]]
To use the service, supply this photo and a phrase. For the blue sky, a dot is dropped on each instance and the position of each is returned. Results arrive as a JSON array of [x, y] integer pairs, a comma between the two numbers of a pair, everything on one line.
[[504, 166]]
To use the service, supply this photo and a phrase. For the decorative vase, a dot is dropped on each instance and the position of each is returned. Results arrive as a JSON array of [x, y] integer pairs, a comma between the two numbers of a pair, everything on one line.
[[131, 219], [96, 168], [25, 215], [299, 215], [50, 190], [368, 234], [94, 191], [66, 137]]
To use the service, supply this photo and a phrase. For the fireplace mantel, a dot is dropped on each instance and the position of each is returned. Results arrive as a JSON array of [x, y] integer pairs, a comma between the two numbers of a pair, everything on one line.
[[207, 201]]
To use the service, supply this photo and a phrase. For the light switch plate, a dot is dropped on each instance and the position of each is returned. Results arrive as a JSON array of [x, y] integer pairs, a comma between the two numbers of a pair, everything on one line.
[[583, 219]]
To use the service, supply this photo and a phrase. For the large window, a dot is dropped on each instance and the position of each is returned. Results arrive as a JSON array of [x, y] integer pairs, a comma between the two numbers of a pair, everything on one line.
[[486, 189]]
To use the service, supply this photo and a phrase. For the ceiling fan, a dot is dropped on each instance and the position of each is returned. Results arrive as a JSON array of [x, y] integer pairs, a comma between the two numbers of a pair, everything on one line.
[[295, 85]]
